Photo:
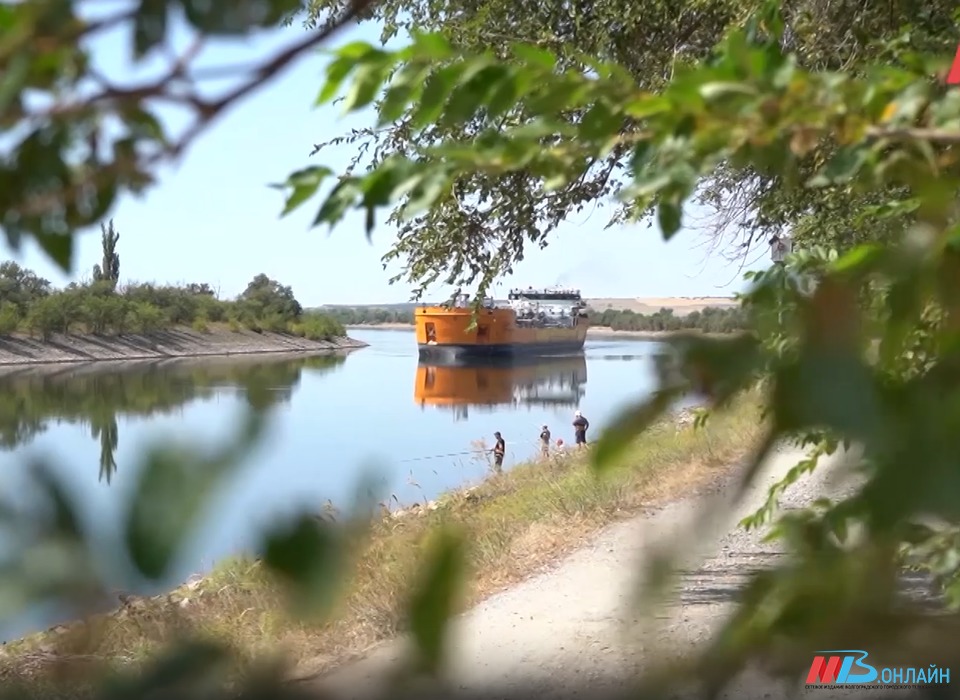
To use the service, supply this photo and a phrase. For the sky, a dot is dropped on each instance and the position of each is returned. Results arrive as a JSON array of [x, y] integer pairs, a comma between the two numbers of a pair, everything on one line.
[[213, 218]]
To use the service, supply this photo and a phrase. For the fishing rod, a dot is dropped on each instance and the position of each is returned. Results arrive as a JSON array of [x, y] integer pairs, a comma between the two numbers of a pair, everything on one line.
[[475, 451]]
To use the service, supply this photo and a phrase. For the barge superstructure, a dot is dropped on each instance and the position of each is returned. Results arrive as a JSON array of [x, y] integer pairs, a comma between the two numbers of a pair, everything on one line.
[[546, 321]]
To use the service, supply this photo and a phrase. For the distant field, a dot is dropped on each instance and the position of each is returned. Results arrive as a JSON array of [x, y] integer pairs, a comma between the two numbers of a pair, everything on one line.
[[642, 305], [649, 305]]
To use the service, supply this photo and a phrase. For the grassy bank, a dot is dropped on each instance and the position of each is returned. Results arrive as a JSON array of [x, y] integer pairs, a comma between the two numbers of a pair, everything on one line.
[[517, 523]]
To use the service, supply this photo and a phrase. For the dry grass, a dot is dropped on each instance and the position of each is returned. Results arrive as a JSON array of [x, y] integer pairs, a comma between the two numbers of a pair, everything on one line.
[[681, 306], [517, 523]]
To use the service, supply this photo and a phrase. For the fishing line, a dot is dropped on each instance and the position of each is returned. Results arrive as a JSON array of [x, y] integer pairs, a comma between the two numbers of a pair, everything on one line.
[[476, 451]]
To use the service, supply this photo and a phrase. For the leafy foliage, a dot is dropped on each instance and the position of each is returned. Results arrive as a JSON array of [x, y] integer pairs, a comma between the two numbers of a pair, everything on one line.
[[78, 139], [504, 216], [102, 308], [857, 344], [490, 143], [75, 141]]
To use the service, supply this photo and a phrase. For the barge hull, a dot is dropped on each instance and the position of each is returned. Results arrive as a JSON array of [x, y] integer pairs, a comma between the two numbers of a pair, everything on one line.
[[460, 352]]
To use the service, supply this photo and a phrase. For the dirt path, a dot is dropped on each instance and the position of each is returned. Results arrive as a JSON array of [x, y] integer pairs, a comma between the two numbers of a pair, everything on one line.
[[563, 633]]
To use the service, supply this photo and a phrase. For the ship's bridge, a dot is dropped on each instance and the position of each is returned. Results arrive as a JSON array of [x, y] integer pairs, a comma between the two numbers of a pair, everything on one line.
[[545, 294], [547, 307]]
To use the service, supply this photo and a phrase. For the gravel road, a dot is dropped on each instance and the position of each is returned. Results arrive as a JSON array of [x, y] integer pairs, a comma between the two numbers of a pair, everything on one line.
[[570, 632]]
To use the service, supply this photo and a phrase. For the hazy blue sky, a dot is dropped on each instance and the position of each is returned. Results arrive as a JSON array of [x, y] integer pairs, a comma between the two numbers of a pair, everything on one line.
[[213, 218]]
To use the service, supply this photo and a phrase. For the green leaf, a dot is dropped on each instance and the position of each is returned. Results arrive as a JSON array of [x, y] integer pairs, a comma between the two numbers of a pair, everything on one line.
[[340, 199], [187, 664], [548, 98], [230, 18], [842, 168], [65, 521], [432, 45], [170, 497], [648, 106], [472, 94], [103, 200], [505, 95], [862, 259], [395, 102], [535, 56], [366, 83], [337, 73], [716, 90], [600, 122], [305, 184], [149, 26], [758, 460], [309, 557], [378, 189], [435, 93], [59, 246], [837, 391], [13, 79], [435, 598], [143, 124], [719, 367], [402, 90], [669, 217], [428, 189], [628, 425]]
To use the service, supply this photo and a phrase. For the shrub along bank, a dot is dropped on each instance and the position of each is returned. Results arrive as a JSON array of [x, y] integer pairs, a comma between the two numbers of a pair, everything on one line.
[[710, 320], [516, 522], [30, 304]]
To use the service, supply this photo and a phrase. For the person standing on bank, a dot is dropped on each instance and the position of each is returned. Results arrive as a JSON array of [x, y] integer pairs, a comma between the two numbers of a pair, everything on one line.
[[499, 449], [545, 442], [580, 426]]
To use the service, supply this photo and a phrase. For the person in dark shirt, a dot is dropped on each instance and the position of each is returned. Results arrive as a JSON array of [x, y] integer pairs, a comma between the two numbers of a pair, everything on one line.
[[499, 449], [545, 441], [580, 426]]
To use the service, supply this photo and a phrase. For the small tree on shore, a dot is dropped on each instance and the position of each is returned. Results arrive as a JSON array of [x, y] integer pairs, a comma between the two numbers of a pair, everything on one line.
[[109, 270]]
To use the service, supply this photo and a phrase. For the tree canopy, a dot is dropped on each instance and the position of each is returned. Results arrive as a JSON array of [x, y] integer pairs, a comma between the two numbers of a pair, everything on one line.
[[829, 118], [856, 345], [488, 221]]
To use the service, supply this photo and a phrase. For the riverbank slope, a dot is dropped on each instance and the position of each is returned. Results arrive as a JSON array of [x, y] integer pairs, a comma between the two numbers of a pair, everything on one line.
[[574, 630], [174, 342]]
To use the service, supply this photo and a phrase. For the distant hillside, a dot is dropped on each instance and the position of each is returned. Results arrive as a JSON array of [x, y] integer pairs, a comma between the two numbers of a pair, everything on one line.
[[681, 306]]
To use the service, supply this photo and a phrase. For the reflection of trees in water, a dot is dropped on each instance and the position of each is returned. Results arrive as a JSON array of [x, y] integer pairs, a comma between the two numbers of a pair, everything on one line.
[[106, 430], [30, 399]]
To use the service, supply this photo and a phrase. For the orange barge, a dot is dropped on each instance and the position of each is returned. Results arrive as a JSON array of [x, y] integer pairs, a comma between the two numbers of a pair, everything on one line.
[[531, 322]]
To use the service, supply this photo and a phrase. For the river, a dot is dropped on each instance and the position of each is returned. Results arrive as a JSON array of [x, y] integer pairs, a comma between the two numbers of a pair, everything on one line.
[[332, 420]]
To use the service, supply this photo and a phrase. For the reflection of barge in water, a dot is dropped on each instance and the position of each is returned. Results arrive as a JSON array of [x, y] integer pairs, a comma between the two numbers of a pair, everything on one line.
[[543, 381]]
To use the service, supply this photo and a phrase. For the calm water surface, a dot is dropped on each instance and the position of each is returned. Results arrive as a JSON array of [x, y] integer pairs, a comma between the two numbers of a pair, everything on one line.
[[333, 420]]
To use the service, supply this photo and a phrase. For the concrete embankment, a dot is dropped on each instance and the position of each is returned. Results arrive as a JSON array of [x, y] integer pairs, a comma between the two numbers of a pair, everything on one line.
[[176, 342]]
